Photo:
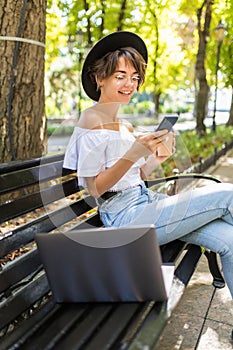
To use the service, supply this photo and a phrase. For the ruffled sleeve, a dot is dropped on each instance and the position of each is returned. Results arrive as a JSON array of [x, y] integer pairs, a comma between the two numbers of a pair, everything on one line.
[[92, 156], [86, 152], [71, 154]]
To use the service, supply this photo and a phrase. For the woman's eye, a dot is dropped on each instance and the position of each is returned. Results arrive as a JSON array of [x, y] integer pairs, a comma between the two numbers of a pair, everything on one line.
[[136, 78], [120, 77]]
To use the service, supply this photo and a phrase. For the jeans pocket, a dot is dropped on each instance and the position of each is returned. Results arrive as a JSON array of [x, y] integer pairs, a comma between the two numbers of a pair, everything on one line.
[[105, 219]]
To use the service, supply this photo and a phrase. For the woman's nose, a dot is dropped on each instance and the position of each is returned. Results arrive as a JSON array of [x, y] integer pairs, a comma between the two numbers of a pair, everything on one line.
[[129, 80]]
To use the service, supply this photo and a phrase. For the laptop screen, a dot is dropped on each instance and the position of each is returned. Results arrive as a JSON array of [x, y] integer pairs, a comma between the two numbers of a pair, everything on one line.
[[104, 264]]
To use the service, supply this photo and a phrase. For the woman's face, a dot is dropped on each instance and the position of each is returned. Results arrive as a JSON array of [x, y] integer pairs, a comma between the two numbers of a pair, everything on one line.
[[120, 86]]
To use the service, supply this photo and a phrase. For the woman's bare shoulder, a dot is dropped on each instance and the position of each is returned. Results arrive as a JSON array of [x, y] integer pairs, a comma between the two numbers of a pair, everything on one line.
[[89, 119]]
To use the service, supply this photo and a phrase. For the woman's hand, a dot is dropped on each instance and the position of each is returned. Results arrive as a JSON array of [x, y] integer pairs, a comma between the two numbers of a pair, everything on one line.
[[148, 143], [154, 160], [167, 149]]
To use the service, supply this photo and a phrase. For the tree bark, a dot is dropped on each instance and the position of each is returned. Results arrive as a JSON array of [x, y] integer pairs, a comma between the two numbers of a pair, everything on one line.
[[155, 56], [230, 120], [156, 98], [122, 15], [22, 111], [202, 88]]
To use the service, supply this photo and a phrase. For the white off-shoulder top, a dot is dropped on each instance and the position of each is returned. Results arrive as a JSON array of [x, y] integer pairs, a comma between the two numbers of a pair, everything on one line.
[[91, 151]]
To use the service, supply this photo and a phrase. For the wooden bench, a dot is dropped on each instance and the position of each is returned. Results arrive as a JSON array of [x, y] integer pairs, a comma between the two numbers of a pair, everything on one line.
[[39, 196]]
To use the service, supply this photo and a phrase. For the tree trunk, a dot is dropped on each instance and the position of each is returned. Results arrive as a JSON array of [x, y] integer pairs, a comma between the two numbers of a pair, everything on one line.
[[122, 15], [201, 98], [22, 112], [156, 97], [157, 91], [230, 120]]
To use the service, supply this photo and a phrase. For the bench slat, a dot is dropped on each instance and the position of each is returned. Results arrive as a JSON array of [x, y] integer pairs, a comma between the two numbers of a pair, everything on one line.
[[19, 302], [119, 320], [57, 326], [150, 332], [28, 177], [79, 336], [36, 200], [68, 318], [46, 223], [23, 332], [6, 168], [19, 269]]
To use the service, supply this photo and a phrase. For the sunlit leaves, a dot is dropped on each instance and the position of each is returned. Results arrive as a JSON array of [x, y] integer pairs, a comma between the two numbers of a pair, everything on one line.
[[167, 26]]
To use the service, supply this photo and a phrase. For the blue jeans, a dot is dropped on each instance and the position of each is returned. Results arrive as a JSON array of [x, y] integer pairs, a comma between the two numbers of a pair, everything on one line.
[[202, 216]]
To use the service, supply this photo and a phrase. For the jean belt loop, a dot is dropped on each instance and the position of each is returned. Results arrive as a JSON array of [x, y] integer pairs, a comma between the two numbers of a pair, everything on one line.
[[144, 189], [141, 188]]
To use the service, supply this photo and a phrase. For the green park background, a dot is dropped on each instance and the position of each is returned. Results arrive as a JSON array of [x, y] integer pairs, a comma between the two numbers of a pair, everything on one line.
[[190, 68]]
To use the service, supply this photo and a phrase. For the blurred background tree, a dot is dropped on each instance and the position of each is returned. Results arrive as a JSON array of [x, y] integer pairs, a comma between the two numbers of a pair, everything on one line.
[[181, 72], [181, 45]]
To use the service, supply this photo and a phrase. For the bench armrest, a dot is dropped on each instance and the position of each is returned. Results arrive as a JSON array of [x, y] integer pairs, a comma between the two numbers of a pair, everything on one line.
[[181, 177]]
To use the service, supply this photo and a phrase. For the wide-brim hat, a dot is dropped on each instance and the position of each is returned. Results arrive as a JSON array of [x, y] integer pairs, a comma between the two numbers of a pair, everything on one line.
[[107, 44]]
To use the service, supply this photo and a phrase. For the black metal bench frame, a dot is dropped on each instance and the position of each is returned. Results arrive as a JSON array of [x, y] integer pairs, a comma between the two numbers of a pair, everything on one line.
[[29, 317]]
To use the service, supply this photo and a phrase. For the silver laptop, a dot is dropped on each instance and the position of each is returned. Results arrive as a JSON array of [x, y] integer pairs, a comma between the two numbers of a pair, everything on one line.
[[104, 265]]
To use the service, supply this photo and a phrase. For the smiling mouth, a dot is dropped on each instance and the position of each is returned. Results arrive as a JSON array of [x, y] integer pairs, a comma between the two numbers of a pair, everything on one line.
[[125, 92]]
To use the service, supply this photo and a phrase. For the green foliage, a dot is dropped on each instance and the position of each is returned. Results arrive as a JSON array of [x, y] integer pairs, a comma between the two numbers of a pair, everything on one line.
[[143, 107], [205, 146], [179, 109], [55, 34], [167, 26], [190, 147], [59, 130], [226, 62]]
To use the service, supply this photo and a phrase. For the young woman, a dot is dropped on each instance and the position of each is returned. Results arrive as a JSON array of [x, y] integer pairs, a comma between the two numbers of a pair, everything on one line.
[[112, 163]]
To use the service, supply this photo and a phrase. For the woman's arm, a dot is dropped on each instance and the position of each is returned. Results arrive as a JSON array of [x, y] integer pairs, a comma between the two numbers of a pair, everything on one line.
[[150, 164], [144, 145], [101, 183]]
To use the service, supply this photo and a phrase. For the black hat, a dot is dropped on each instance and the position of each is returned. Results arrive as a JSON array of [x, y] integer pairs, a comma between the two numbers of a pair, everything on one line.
[[107, 44]]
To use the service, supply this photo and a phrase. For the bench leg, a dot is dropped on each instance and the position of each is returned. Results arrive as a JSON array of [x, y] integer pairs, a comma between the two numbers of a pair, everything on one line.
[[218, 280], [188, 264]]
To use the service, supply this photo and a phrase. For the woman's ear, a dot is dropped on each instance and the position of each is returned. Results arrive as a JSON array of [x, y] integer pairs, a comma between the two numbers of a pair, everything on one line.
[[99, 83]]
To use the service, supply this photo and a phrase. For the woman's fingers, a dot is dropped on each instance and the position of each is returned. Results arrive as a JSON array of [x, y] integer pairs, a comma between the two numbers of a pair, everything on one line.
[[148, 143], [154, 139]]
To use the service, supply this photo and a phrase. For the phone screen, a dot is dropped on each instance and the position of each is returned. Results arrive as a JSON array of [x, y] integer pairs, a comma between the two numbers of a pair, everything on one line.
[[167, 123]]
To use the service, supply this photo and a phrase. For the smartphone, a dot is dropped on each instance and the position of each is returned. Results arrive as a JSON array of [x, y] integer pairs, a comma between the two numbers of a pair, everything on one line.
[[167, 123]]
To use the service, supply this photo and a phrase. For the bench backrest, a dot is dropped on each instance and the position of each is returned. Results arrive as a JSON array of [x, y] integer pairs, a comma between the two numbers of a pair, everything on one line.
[[35, 196]]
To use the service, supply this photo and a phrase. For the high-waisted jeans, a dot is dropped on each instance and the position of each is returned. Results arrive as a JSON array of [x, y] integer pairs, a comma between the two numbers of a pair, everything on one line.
[[202, 216]]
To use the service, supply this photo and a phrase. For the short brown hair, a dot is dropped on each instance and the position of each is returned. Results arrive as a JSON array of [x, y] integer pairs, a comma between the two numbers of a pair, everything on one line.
[[106, 66]]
